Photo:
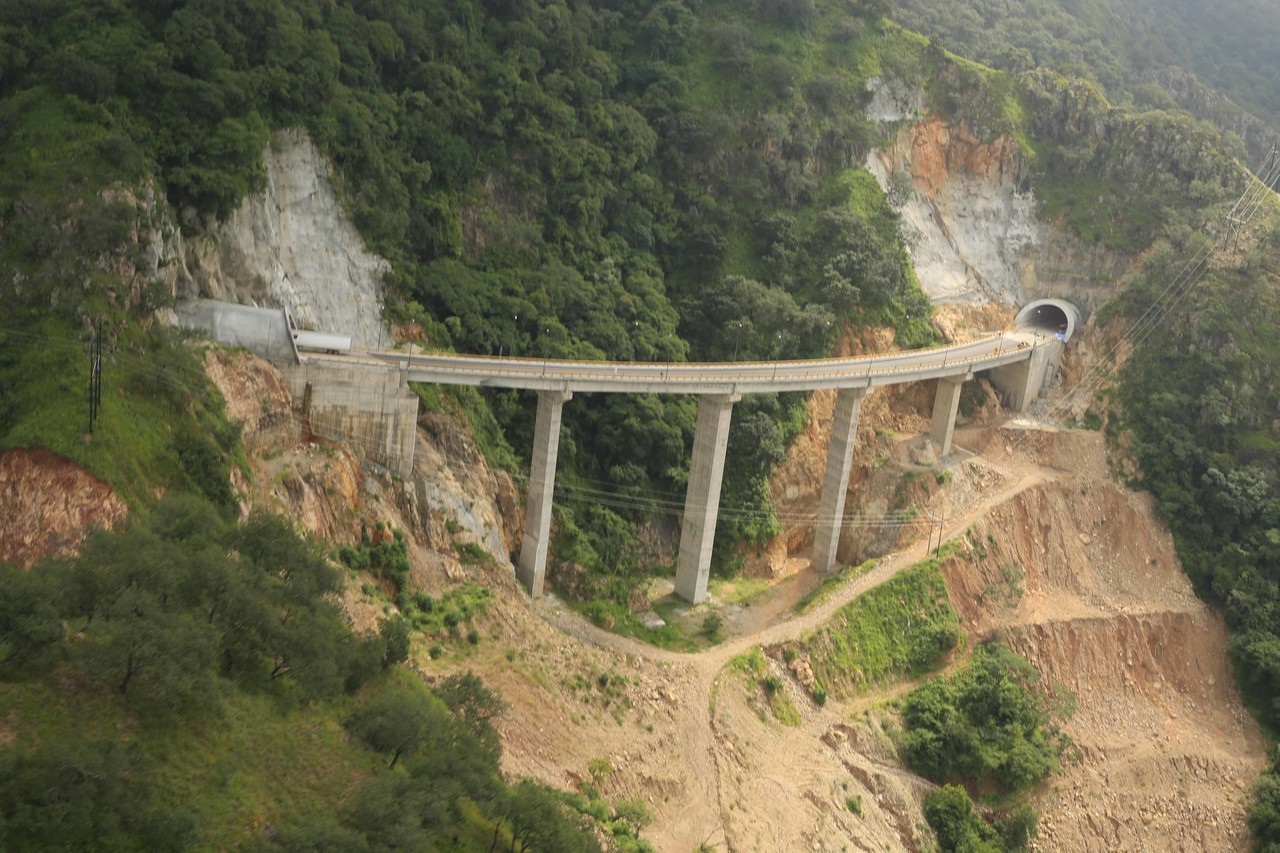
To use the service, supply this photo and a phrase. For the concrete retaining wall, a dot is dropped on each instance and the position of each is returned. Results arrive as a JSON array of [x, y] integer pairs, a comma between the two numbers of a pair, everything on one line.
[[368, 407]]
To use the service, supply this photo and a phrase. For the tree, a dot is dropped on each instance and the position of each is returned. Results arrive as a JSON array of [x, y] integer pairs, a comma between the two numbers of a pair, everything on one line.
[[539, 820], [30, 624], [466, 695], [949, 812], [395, 632], [137, 635], [395, 723], [1264, 817], [75, 794]]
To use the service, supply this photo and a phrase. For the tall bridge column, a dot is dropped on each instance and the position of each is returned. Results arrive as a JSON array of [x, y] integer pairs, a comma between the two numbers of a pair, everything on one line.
[[532, 568], [835, 484], [946, 402], [702, 500]]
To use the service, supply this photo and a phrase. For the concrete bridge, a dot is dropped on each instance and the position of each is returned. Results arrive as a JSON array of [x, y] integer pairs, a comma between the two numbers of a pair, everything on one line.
[[1019, 363]]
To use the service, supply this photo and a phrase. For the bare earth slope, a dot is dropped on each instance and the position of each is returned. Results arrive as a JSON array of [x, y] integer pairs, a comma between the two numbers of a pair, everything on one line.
[[1103, 612], [1167, 751]]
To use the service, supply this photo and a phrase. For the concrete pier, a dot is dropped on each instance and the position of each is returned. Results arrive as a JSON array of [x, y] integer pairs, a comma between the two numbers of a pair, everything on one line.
[[1021, 382], [946, 402], [702, 500], [835, 484], [532, 569]]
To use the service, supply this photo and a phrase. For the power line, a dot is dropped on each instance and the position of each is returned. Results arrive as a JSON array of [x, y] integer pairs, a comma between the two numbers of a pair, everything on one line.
[[1238, 217]]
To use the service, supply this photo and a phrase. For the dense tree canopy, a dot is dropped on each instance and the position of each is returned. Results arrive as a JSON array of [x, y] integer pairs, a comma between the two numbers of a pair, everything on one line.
[[180, 622]]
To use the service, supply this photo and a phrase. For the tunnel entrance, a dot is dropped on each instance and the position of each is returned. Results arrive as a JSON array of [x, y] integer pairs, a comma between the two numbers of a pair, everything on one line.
[[1049, 316]]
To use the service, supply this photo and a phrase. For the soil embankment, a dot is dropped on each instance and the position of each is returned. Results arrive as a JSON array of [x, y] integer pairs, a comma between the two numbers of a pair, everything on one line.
[[1073, 570]]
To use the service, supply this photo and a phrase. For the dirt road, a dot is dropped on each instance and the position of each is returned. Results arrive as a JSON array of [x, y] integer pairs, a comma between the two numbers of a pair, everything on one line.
[[1103, 593]]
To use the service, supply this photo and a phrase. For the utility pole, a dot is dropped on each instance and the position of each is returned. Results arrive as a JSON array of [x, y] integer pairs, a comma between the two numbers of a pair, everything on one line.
[[942, 523], [95, 374]]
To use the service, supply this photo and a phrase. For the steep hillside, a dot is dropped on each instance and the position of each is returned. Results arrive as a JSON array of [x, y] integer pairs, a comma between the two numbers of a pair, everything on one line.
[[1213, 60], [650, 181], [1167, 752]]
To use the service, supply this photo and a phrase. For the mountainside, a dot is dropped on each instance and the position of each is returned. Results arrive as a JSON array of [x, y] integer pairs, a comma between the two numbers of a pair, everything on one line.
[[651, 181], [1213, 60]]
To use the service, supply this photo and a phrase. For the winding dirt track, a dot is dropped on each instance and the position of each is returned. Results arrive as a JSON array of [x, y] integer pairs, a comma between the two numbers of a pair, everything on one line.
[[701, 747]]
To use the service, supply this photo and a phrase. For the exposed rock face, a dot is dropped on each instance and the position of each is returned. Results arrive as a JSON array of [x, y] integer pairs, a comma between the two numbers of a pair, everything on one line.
[[456, 496], [893, 101], [49, 504], [257, 398], [290, 246], [974, 232]]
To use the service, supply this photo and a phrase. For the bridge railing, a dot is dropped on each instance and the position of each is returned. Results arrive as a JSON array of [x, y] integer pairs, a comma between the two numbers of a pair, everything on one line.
[[717, 373]]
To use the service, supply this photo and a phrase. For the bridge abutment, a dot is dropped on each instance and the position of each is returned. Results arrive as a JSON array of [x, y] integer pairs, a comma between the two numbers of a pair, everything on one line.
[[835, 483], [367, 406], [532, 567], [1021, 382], [702, 499]]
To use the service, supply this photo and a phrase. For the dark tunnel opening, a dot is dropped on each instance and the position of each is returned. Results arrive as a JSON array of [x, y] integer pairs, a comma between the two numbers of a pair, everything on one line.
[[1046, 318]]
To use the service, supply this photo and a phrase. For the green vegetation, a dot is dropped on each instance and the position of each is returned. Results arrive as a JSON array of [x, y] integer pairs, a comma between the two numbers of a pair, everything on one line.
[[622, 821], [1198, 403], [959, 829], [1112, 188], [986, 727], [1122, 44], [652, 181], [605, 688], [446, 619], [619, 619], [388, 559], [755, 669], [159, 428], [1008, 589], [904, 627], [183, 684], [831, 583]]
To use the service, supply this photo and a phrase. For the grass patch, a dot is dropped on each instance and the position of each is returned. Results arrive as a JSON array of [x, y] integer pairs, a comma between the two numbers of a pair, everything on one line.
[[448, 620], [253, 762], [750, 663], [604, 688], [256, 764], [1008, 590], [161, 425], [755, 671], [831, 583], [904, 627], [784, 710], [471, 554], [617, 618], [742, 591]]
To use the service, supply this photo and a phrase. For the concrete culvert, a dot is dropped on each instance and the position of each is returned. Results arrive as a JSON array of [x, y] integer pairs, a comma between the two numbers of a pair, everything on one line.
[[1050, 316]]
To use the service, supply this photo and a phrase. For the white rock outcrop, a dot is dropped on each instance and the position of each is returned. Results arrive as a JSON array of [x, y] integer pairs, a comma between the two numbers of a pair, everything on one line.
[[291, 246], [974, 232]]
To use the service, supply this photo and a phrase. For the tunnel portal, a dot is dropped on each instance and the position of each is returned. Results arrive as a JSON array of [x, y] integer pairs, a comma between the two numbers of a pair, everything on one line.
[[1052, 316]]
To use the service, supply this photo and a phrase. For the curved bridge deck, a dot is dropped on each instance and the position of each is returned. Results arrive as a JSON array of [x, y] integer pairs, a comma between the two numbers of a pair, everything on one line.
[[717, 377]]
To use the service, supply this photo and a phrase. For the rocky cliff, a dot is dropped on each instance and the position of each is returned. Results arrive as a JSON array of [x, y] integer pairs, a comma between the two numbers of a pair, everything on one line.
[[49, 504], [289, 245], [972, 224]]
